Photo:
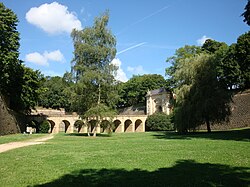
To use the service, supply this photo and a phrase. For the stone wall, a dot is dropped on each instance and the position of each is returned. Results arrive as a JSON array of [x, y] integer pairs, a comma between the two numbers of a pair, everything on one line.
[[240, 116], [8, 122]]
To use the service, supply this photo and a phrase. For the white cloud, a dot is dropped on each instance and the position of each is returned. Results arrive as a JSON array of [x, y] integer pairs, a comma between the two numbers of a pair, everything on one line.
[[138, 70], [53, 18], [121, 76], [36, 58], [43, 59], [202, 40], [52, 73], [56, 56]]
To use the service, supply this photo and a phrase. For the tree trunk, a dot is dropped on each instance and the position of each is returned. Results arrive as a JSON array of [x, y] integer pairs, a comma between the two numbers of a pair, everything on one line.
[[208, 125], [99, 94]]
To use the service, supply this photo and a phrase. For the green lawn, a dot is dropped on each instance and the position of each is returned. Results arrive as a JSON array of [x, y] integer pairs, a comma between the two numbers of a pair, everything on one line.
[[18, 137], [132, 159]]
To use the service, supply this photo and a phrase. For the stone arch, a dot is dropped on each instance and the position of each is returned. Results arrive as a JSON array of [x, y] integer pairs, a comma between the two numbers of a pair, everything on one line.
[[79, 125], [117, 126], [64, 126], [138, 125], [105, 126], [52, 126], [91, 125], [128, 126]]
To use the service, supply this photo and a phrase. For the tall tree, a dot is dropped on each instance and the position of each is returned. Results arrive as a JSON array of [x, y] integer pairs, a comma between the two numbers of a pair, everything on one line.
[[180, 54], [94, 49], [201, 98], [228, 68], [10, 66], [243, 57], [31, 89], [246, 14]]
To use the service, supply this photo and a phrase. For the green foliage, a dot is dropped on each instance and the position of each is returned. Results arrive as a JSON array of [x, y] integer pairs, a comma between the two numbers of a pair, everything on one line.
[[10, 66], [243, 57], [211, 46], [246, 14], [94, 49], [54, 93], [184, 52], [31, 89], [99, 112], [44, 127], [160, 122], [200, 96], [19, 84], [133, 91]]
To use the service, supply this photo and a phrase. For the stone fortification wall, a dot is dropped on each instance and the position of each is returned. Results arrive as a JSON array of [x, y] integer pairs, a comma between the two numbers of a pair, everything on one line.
[[8, 122], [240, 116]]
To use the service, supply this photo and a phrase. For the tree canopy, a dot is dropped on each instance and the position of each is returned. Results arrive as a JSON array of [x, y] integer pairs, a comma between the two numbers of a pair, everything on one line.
[[246, 14], [94, 49], [19, 85], [133, 91], [201, 96], [10, 65]]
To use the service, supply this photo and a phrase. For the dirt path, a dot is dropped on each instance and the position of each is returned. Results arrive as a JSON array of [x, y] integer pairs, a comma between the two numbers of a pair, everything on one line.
[[14, 145]]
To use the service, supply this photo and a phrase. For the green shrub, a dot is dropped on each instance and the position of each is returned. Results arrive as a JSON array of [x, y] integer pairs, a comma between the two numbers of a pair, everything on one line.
[[44, 127], [160, 122]]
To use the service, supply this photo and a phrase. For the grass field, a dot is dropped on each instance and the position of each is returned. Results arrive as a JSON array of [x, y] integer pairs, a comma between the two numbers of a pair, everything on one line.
[[132, 159], [19, 137]]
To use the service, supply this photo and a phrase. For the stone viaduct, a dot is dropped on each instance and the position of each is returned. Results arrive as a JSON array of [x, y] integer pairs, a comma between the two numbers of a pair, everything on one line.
[[157, 100], [66, 123]]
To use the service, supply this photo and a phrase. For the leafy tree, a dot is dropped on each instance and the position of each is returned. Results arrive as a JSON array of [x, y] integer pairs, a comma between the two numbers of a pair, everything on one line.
[[10, 66], [160, 122], [246, 14], [211, 46], [53, 94], [19, 84], [133, 91], [99, 112], [243, 57], [228, 68], [94, 49], [181, 53], [200, 97], [31, 89]]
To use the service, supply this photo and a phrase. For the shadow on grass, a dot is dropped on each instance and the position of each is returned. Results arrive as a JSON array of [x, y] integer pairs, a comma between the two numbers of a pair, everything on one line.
[[86, 134], [183, 173], [237, 135]]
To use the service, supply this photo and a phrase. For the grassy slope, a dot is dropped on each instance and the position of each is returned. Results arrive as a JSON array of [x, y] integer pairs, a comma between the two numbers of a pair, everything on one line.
[[132, 159], [18, 137]]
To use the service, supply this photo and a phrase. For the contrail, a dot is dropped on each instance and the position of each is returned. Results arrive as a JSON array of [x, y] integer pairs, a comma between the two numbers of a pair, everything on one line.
[[132, 47], [144, 18]]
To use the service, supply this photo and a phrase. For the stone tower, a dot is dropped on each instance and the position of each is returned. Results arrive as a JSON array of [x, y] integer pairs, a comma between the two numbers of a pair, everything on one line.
[[159, 101]]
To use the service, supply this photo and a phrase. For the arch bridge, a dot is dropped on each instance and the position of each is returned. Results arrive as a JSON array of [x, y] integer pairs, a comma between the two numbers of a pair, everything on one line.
[[66, 123]]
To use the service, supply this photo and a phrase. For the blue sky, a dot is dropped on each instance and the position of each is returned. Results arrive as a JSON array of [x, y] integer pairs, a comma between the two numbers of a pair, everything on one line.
[[147, 31]]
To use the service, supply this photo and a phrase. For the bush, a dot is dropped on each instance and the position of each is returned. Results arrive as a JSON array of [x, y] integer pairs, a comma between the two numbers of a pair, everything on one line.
[[160, 122], [44, 127]]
